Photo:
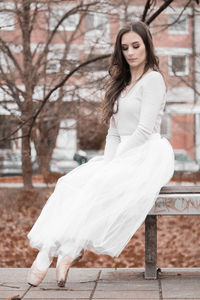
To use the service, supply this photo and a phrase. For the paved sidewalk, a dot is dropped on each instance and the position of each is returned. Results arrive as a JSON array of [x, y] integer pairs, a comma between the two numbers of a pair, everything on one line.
[[21, 185], [105, 283]]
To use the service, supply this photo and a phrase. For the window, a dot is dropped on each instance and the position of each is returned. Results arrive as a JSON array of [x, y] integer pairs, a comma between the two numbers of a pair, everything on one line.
[[179, 25], [38, 93], [98, 65], [6, 63], [70, 93], [5, 95], [178, 65], [54, 57], [69, 24], [97, 30], [7, 21]]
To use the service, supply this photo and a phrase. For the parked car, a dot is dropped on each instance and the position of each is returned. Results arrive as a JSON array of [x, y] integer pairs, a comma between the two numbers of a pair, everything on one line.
[[84, 156], [61, 162], [11, 163], [81, 157], [183, 162]]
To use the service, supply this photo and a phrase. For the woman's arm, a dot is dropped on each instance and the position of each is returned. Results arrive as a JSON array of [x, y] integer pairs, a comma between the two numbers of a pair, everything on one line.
[[112, 141], [153, 91]]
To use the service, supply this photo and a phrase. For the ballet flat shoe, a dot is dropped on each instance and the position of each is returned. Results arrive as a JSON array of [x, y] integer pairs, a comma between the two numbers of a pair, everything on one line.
[[63, 268], [62, 271], [35, 276], [79, 256]]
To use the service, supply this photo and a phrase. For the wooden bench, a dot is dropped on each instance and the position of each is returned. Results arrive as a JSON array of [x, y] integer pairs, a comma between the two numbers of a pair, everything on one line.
[[172, 200]]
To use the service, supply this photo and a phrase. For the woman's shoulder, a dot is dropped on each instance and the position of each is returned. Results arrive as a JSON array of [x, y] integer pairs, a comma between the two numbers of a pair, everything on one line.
[[153, 78], [154, 74]]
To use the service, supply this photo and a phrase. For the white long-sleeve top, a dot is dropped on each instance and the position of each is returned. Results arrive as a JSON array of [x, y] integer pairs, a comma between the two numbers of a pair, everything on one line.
[[139, 115]]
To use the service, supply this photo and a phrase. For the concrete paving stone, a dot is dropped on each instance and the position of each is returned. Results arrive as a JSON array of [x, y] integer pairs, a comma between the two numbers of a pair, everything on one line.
[[57, 294], [74, 286], [118, 284], [49, 294], [13, 275], [126, 295], [47, 291], [6, 294], [122, 274], [150, 285], [82, 274], [54, 298], [178, 271], [181, 287], [12, 287]]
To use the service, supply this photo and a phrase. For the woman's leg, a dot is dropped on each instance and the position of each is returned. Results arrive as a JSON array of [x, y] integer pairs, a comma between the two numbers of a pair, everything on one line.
[[62, 269], [39, 267], [63, 265], [43, 260]]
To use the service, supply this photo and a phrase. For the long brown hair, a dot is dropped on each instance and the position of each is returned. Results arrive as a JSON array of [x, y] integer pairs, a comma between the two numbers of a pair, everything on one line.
[[119, 69]]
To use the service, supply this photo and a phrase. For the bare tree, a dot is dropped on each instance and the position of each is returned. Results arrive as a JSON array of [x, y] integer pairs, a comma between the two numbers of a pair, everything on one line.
[[34, 70], [23, 72]]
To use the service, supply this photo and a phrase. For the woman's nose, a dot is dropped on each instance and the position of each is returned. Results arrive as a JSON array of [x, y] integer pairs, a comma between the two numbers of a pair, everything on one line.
[[130, 51]]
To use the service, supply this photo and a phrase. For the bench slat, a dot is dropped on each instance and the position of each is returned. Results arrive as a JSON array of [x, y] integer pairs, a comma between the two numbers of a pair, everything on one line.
[[176, 204], [180, 189]]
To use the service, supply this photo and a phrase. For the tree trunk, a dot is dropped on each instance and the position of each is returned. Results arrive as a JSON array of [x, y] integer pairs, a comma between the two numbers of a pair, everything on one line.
[[27, 107], [44, 136], [26, 159]]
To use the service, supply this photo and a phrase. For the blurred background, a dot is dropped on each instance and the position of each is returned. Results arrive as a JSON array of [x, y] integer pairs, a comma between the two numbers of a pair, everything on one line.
[[54, 58]]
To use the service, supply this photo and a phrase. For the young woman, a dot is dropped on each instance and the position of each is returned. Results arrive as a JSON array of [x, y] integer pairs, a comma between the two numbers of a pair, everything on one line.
[[100, 204]]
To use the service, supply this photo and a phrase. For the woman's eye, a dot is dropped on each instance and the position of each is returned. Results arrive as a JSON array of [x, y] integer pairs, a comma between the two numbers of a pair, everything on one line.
[[134, 47]]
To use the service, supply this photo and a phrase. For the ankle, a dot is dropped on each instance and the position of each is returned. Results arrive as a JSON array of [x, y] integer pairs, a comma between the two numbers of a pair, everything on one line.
[[43, 260], [64, 258]]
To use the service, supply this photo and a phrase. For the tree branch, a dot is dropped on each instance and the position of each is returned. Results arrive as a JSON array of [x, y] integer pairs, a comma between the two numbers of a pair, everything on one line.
[[7, 51], [61, 84], [161, 8], [146, 8], [34, 117], [54, 31]]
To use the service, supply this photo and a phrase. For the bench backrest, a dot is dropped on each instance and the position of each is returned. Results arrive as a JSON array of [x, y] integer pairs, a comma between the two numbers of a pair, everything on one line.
[[177, 200]]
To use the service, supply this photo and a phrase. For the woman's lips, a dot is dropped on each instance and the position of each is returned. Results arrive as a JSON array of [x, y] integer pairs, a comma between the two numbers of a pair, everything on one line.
[[132, 59]]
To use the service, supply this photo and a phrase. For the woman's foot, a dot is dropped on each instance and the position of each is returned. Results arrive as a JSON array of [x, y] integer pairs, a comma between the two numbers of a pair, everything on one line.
[[39, 268], [63, 266], [35, 276], [62, 270]]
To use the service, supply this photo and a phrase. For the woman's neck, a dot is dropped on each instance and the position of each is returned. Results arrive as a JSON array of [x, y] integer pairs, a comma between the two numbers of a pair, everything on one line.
[[136, 73]]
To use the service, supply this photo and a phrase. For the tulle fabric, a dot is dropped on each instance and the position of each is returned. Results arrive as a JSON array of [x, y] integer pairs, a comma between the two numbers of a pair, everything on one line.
[[100, 205]]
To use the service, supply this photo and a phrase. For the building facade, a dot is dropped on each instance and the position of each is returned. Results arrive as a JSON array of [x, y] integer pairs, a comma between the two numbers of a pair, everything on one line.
[[87, 33]]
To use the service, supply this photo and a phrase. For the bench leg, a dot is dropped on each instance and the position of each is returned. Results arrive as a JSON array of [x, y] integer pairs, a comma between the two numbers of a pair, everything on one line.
[[150, 247]]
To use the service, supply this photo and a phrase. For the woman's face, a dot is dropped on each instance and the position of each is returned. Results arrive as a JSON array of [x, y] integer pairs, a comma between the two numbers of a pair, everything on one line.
[[133, 49]]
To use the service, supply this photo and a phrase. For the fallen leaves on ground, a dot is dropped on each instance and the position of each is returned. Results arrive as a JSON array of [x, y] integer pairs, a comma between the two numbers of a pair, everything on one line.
[[178, 236]]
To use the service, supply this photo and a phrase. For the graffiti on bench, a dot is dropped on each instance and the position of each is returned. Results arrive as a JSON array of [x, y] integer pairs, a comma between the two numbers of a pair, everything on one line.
[[177, 204]]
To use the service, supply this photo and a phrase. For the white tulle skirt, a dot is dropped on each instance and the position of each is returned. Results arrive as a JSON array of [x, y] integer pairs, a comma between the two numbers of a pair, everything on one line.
[[100, 205]]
